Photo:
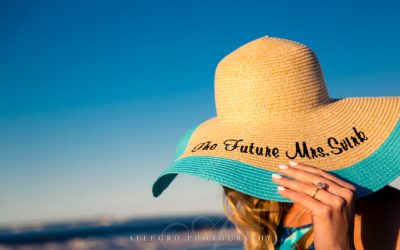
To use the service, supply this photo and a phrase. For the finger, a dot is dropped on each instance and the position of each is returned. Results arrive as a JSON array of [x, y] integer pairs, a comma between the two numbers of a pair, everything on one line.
[[348, 191], [317, 208], [323, 196], [307, 177], [319, 171]]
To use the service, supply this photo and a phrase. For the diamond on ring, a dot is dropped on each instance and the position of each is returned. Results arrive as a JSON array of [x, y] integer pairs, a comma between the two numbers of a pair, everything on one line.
[[321, 185]]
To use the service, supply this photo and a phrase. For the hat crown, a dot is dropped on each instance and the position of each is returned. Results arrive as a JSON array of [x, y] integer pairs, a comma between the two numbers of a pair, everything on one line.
[[268, 78]]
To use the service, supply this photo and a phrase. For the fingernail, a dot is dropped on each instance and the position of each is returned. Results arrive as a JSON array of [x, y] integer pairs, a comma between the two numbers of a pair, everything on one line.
[[292, 163], [276, 176], [280, 188], [281, 166]]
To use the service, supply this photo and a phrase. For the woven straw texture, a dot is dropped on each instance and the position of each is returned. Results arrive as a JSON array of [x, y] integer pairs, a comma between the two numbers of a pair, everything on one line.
[[272, 106]]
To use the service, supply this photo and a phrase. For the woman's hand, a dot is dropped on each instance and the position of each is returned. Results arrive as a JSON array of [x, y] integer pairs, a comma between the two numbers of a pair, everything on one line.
[[332, 208]]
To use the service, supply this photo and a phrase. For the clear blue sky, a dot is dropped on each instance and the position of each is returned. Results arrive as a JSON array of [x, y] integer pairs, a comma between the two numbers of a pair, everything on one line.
[[95, 94]]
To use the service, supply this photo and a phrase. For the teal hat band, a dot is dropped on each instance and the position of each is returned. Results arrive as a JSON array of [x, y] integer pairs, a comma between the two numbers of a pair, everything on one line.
[[367, 175]]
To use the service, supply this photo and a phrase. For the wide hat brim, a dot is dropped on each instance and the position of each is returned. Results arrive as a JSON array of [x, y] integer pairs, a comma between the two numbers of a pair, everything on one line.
[[356, 139]]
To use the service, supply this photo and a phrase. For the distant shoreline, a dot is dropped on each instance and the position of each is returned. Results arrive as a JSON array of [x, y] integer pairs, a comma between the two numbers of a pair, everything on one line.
[[53, 232]]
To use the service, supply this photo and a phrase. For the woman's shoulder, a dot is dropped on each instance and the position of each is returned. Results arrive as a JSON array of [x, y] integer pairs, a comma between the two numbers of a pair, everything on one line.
[[377, 220]]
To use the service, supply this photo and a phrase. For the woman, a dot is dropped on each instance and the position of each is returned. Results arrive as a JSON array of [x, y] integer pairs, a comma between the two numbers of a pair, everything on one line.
[[273, 107], [335, 219]]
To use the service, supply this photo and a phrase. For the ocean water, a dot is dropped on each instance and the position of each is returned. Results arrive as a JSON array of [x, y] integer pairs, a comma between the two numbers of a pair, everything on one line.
[[202, 232]]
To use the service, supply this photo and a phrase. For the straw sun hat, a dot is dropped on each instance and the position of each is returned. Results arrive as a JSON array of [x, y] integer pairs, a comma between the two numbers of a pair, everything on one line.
[[272, 106]]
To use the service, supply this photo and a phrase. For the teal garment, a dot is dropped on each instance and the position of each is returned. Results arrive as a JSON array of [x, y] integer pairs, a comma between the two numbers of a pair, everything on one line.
[[288, 236]]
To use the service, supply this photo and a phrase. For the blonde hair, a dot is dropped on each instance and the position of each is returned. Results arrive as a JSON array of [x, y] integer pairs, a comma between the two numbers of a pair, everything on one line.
[[256, 220]]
